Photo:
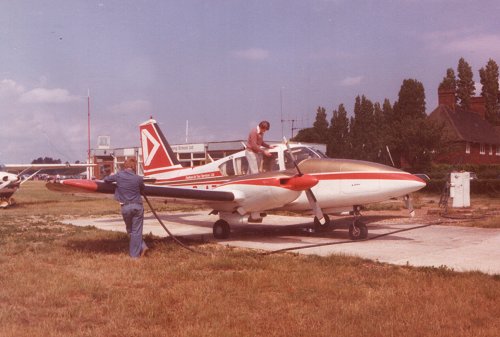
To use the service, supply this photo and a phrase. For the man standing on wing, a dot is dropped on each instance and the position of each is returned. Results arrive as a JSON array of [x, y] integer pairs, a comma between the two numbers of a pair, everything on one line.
[[254, 149], [128, 190]]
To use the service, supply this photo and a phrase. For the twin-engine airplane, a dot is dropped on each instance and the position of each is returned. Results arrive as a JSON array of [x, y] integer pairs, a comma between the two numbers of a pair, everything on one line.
[[10, 182], [296, 178]]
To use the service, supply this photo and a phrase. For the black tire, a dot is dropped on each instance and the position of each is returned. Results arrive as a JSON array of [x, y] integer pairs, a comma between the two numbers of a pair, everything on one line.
[[221, 229], [358, 231], [321, 227]]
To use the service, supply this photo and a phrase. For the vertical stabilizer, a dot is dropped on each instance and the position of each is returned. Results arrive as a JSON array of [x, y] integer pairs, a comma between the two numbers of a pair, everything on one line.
[[157, 155]]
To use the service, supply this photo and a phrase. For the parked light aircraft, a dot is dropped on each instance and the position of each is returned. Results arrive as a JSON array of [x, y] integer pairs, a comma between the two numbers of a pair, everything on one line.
[[10, 182], [296, 178]]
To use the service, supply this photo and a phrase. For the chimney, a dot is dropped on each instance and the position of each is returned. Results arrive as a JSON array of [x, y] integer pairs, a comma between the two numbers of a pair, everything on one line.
[[446, 97], [477, 105]]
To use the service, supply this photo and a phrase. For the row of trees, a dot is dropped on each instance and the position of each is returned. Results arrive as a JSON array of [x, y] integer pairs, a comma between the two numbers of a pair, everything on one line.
[[402, 127], [464, 87]]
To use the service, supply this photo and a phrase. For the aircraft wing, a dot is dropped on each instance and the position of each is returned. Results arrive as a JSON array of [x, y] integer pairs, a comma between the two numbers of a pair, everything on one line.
[[252, 193], [98, 186], [20, 167]]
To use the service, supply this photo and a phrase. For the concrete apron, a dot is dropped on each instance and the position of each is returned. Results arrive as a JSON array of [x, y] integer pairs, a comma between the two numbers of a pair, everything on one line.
[[457, 248]]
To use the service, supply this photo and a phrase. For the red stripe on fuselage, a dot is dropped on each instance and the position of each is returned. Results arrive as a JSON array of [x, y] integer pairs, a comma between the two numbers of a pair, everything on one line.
[[367, 176]]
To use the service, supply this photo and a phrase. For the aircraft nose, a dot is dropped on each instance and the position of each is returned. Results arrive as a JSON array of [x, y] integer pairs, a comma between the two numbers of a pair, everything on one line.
[[416, 183], [422, 182]]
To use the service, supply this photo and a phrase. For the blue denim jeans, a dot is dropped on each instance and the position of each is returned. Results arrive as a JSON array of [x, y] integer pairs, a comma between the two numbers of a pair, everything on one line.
[[133, 215]]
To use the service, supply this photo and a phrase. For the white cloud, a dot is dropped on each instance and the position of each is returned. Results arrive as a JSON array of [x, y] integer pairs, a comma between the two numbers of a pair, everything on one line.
[[42, 95], [253, 54], [9, 88], [464, 41], [132, 107], [351, 81]]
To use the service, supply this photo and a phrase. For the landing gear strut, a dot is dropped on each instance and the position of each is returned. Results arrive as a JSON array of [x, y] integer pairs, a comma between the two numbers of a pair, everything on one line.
[[357, 229]]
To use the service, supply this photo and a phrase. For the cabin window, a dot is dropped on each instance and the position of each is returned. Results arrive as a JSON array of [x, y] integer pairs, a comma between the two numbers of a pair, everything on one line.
[[270, 163], [241, 165], [491, 150], [482, 149], [467, 148], [227, 168], [498, 150]]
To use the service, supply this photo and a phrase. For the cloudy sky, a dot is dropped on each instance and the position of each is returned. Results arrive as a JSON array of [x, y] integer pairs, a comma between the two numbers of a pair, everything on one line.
[[222, 65]]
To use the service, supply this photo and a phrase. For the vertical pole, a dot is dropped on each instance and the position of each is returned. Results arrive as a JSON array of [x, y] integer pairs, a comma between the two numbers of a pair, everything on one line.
[[89, 170], [281, 105]]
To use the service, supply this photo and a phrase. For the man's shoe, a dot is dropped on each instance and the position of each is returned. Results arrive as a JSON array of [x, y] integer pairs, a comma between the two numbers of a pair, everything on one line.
[[143, 251]]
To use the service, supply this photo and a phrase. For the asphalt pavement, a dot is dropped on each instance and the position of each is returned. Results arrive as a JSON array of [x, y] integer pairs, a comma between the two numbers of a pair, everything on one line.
[[395, 241]]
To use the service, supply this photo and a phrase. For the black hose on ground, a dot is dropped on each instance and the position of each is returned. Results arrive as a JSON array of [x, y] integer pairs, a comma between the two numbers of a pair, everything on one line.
[[344, 242], [168, 232]]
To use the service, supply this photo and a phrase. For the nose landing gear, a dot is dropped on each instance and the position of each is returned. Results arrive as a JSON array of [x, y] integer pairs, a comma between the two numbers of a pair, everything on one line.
[[357, 229]]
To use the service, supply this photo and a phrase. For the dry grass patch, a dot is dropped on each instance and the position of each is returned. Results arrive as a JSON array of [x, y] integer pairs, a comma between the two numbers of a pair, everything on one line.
[[60, 280]]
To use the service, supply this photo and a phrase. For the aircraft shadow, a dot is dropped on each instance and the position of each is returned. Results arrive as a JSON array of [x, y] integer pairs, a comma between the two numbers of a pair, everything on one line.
[[281, 233]]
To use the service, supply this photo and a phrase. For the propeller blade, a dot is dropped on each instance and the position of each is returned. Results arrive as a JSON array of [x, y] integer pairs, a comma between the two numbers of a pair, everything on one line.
[[313, 202], [290, 153]]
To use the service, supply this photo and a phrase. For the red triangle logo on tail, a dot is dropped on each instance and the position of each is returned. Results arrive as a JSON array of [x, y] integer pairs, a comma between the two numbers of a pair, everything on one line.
[[156, 152]]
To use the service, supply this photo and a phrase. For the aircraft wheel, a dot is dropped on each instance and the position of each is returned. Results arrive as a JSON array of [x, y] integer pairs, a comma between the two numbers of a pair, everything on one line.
[[358, 231], [321, 227], [221, 229]]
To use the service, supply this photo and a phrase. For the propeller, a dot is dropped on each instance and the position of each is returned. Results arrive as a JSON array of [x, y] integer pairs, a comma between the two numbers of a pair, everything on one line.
[[313, 202]]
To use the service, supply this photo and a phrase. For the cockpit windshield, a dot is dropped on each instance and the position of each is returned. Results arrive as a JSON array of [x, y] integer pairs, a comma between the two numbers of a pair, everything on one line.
[[2, 167], [300, 154]]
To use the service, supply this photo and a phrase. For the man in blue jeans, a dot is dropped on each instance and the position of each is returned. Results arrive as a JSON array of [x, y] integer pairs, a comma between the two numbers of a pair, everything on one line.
[[128, 190]]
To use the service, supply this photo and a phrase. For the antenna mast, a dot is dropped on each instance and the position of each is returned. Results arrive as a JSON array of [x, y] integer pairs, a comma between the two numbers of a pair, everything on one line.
[[88, 134]]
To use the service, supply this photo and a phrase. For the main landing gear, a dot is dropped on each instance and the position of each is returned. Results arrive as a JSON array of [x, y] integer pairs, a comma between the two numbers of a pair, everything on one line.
[[357, 229], [221, 229]]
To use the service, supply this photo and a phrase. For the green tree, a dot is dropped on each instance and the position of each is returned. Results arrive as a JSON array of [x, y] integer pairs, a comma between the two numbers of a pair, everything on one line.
[[489, 81], [363, 130], [465, 84], [411, 101], [46, 160], [412, 137], [449, 82], [320, 126], [318, 133], [338, 141]]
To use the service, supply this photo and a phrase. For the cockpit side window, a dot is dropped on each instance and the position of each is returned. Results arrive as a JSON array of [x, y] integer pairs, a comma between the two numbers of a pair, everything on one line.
[[300, 154]]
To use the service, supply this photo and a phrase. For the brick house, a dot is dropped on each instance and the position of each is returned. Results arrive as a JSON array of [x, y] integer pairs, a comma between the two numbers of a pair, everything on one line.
[[473, 139]]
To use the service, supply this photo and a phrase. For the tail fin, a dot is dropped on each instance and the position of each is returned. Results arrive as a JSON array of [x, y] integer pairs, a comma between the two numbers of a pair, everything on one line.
[[157, 155]]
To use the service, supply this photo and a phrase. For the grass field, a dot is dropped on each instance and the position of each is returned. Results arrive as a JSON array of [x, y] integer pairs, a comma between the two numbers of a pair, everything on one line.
[[59, 280]]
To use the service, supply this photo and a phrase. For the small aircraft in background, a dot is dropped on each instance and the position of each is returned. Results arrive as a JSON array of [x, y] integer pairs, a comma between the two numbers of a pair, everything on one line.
[[296, 178], [10, 182]]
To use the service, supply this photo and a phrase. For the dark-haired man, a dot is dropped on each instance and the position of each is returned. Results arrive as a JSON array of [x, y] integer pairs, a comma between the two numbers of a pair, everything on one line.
[[254, 149]]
